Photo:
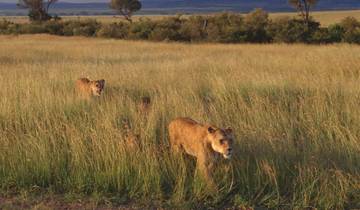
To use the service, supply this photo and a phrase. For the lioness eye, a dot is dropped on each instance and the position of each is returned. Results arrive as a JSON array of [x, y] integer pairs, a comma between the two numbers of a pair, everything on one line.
[[222, 141]]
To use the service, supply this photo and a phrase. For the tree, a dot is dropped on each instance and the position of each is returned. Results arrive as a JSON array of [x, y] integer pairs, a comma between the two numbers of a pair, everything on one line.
[[126, 7], [304, 7], [38, 9]]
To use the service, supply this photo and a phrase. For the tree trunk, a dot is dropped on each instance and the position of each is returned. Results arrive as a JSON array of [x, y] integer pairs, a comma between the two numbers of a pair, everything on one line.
[[126, 15], [307, 12]]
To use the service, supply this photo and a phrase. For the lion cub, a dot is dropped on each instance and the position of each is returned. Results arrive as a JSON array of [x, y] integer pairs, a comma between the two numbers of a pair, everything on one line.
[[204, 142], [131, 139], [88, 88], [145, 105]]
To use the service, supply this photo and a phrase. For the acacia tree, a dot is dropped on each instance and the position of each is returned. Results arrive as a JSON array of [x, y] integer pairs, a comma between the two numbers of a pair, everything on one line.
[[126, 7], [304, 7], [38, 9]]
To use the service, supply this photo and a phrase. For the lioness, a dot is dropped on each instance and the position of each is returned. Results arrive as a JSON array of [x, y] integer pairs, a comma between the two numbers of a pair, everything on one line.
[[87, 88], [204, 142]]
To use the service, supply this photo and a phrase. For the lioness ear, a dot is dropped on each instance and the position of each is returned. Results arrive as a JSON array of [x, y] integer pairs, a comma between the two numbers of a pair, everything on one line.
[[211, 130], [228, 130], [102, 82]]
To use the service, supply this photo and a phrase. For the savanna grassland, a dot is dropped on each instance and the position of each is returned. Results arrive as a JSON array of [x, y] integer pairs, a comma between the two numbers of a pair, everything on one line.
[[294, 110]]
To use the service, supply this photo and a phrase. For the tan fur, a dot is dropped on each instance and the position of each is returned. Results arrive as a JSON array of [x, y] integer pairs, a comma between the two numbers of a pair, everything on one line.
[[131, 139], [205, 142], [87, 88]]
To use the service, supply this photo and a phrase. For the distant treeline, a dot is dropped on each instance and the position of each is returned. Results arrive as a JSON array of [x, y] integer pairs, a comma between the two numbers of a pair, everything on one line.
[[255, 27]]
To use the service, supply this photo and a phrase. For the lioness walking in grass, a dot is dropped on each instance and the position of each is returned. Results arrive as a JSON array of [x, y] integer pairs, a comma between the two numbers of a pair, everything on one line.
[[87, 88], [204, 142]]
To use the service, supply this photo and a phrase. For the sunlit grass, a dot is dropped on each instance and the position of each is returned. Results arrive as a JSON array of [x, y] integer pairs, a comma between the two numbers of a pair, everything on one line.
[[294, 110]]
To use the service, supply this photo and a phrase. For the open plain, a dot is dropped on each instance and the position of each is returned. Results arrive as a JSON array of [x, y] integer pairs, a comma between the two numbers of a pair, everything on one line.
[[294, 110]]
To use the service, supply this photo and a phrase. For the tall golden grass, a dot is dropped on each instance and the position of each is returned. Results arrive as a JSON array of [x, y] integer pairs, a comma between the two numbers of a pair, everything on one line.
[[294, 110]]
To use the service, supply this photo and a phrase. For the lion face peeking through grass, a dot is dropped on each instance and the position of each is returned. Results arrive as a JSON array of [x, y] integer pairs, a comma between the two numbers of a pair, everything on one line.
[[88, 88]]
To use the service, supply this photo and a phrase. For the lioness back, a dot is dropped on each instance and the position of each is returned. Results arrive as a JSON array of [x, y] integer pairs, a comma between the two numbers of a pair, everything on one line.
[[82, 81], [196, 138], [83, 85], [186, 134]]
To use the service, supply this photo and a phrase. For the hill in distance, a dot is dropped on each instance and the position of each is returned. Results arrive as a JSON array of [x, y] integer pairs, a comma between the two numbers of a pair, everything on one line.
[[182, 6]]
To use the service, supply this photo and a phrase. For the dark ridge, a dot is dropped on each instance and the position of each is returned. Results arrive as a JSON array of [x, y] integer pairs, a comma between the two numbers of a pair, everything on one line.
[[184, 6]]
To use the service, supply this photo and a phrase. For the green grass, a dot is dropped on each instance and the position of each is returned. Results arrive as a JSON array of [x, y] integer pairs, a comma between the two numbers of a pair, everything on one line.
[[294, 110]]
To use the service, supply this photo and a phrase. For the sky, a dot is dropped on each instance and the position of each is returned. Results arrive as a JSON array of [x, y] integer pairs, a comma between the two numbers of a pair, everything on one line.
[[73, 1]]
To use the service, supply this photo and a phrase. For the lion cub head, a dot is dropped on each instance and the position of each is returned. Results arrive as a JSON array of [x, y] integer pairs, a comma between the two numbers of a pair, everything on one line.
[[221, 140], [97, 87]]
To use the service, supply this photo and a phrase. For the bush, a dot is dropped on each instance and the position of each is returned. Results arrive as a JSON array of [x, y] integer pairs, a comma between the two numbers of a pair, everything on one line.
[[4, 26], [291, 30], [351, 28], [167, 29], [193, 29], [141, 29], [13, 29], [336, 32], [81, 28], [226, 28], [33, 28], [54, 27], [256, 27], [256, 23], [321, 36], [114, 30]]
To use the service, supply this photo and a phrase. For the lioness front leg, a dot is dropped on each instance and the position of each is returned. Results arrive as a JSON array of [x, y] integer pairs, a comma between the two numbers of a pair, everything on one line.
[[204, 167], [175, 146]]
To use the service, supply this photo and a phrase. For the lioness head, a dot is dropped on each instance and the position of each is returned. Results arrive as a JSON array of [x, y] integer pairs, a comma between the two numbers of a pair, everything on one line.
[[221, 140], [97, 87]]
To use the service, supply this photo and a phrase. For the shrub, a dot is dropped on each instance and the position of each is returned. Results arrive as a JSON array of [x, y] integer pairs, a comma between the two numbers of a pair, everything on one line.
[[321, 36], [167, 29], [336, 32], [351, 28], [81, 28], [4, 26], [291, 30], [141, 29], [255, 26], [33, 28], [193, 29], [226, 28], [54, 27], [13, 29], [114, 30]]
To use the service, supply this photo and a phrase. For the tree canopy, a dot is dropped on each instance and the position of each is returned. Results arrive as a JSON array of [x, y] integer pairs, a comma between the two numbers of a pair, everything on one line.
[[38, 9], [304, 7], [126, 7]]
